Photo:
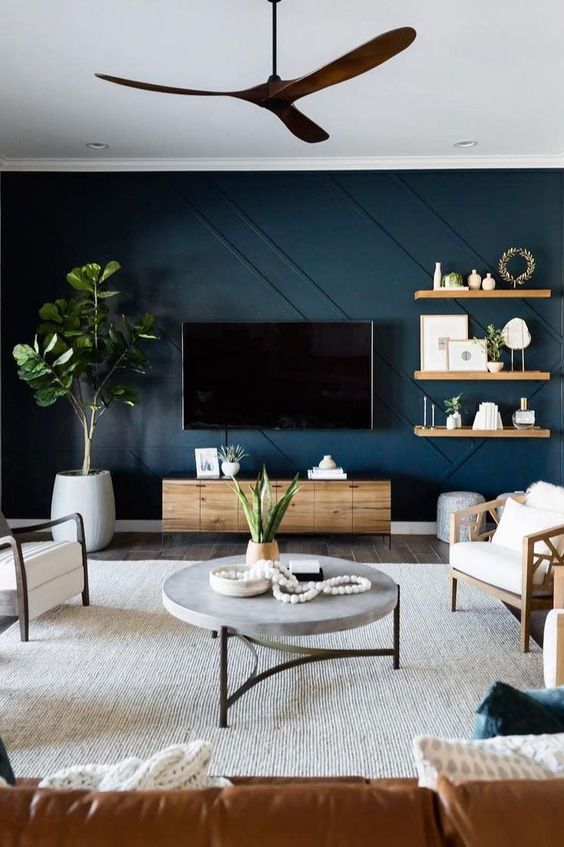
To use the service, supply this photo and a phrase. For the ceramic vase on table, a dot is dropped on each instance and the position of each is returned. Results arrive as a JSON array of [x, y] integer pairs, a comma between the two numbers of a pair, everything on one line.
[[257, 551], [92, 496], [495, 367], [328, 463], [454, 421], [488, 283], [437, 276], [230, 469]]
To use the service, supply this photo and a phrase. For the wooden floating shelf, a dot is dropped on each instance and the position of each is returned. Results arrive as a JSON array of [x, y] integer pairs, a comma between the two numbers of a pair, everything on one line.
[[468, 432], [540, 376], [504, 293]]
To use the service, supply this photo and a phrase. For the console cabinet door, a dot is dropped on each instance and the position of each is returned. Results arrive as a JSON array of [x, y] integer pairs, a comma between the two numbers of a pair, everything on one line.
[[299, 515], [181, 506], [333, 506], [371, 507], [218, 507]]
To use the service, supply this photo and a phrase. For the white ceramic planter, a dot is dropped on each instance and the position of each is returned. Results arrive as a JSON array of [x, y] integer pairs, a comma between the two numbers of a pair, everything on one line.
[[230, 469], [93, 497], [495, 367]]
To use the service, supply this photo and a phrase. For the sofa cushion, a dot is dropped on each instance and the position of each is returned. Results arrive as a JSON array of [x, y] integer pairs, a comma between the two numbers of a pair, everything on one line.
[[519, 519], [504, 814], [300, 814], [495, 565], [44, 561], [507, 711]]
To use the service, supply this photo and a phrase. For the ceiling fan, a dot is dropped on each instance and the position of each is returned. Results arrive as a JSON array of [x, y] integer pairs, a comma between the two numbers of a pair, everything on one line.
[[278, 95]]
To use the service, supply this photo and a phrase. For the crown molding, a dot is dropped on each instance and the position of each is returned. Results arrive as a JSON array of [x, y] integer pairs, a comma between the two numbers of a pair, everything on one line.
[[319, 163]]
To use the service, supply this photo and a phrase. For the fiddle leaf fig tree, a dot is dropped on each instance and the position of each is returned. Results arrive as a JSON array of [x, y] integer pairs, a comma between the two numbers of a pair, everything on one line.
[[83, 353]]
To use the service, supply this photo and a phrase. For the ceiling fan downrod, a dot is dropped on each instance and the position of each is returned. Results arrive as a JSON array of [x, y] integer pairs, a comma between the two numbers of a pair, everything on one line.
[[274, 75]]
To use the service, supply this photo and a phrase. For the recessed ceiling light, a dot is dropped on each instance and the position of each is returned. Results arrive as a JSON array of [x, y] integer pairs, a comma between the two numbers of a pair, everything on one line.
[[97, 145], [465, 143]]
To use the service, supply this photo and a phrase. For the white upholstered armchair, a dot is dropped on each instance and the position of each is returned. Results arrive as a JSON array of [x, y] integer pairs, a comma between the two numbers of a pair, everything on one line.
[[37, 575], [514, 560]]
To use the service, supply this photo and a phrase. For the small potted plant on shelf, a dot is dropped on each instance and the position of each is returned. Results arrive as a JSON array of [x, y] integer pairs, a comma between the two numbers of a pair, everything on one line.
[[264, 515], [495, 343], [231, 457], [453, 408]]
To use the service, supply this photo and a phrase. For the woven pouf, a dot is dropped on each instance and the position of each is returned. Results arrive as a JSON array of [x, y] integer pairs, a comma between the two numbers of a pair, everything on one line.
[[452, 501]]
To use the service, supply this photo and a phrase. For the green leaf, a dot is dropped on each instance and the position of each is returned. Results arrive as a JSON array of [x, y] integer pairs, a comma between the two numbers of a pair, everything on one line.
[[51, 343], [110, 269], [77, 280], [105, 294], [49, 312], [63, 358], [91, 271], [22, 353]]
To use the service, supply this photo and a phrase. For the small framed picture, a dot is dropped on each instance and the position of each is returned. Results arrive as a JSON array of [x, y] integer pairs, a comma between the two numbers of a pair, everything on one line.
[[207, 463], [436, 332], [471, 355]]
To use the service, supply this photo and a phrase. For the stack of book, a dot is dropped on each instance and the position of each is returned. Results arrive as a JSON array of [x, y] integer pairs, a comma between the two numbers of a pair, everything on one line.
[[326, 473], [487, 417]]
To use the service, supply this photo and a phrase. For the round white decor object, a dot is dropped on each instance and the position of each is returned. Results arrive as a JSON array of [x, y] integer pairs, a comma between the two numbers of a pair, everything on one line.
[[488, 284], [231, 582], [474, 280], [516, 334], [327, 463]]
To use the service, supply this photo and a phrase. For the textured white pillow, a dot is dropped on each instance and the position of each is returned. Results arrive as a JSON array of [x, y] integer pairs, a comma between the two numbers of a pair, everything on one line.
[[545, 495], [504, 757], [518, 520], [553, 634]]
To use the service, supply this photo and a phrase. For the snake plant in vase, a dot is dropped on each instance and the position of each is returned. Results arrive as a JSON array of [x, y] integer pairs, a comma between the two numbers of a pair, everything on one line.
[[264, 515], [81, 353]]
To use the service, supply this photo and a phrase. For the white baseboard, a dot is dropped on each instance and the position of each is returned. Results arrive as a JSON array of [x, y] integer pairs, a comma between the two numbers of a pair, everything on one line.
[[398, 527]]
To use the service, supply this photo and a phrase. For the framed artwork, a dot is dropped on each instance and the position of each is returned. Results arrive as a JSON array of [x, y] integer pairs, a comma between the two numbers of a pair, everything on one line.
[[436, 332], [471, 355], [207, 463]]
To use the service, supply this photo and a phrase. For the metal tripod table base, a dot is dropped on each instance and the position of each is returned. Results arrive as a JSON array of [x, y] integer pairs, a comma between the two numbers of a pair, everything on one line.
[[304, 656]]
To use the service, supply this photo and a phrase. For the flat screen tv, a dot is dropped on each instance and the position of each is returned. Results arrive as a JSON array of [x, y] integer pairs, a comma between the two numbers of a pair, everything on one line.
[[287, 375]]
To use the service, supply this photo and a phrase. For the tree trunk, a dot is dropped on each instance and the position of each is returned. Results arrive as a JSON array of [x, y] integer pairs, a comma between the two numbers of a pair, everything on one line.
[[87, 453]]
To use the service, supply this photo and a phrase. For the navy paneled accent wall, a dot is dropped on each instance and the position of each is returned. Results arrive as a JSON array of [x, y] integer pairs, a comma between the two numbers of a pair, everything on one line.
[[282, 246]]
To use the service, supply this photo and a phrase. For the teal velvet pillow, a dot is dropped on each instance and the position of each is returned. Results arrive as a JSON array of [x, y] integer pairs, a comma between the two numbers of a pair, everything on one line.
[[5, 766], [507, 711]]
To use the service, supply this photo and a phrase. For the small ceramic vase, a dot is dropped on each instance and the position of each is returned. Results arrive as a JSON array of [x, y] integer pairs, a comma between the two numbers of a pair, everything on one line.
[[230, 469], [256, 552], [488, 284], [328, 463], [437, 276], [474, 280], [495, 367], [450, 422]]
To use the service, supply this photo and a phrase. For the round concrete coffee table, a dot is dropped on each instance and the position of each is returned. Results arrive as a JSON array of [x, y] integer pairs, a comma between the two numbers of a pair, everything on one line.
[[256, 620]]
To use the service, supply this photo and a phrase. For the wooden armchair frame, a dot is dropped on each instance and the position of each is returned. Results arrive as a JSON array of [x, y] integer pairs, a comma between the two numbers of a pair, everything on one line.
[[16, 602], [474, 519]]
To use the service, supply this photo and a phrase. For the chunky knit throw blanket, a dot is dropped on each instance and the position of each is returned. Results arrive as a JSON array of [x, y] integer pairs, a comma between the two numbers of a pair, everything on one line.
[[179, 767]]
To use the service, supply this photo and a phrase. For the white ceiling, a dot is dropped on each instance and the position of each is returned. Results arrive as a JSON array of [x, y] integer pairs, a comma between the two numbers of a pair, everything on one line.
[[491, 70]]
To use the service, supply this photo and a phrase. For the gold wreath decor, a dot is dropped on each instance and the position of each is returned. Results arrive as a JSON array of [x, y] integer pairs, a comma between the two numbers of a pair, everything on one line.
[[523, 277]]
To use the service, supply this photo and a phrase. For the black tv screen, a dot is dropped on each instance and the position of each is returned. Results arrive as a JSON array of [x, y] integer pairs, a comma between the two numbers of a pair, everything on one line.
[[292, 375]]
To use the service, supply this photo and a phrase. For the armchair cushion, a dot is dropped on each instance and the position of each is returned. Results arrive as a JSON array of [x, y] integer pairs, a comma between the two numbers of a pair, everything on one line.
[[519, 519], [507, 711], [44, 561], [495, 565]]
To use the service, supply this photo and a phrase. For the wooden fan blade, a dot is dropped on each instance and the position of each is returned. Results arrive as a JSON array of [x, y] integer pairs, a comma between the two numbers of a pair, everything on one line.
[[358, 61], [299, 124], [252, 95]]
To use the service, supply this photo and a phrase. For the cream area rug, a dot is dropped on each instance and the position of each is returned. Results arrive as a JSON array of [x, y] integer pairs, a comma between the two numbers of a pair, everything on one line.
[[123, 678]]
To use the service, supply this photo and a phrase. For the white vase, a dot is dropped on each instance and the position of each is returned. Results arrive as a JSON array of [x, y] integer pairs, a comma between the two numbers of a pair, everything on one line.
[[437, 276], [230, 469], [328, 463], [495, 367], [450, 422], [488, 283], [474, 280], [92, 497]]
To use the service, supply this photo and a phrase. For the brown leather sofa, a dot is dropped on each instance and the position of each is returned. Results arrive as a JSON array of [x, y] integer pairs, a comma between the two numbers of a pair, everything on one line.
[[290, 813]]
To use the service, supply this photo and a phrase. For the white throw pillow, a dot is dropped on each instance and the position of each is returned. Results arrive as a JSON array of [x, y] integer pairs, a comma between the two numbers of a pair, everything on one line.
[[545, 495], [553, 634], [519, 519], [504, 757]]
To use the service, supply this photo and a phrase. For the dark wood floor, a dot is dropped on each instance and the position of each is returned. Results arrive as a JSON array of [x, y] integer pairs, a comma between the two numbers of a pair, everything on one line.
[[151, 545]]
